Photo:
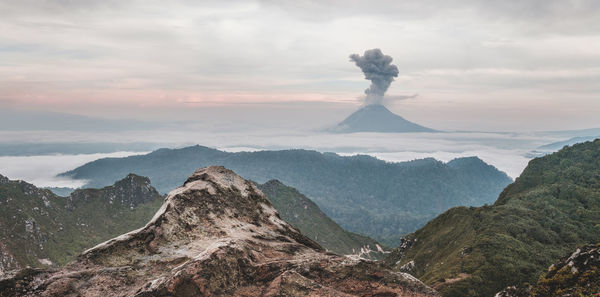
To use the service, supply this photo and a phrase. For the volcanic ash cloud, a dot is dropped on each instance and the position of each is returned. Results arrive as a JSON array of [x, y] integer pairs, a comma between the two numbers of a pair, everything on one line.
[[377, 68]]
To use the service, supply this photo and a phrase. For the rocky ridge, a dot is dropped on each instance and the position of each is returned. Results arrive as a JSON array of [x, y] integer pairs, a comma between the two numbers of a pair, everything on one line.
[[575, 275], [217, 235]]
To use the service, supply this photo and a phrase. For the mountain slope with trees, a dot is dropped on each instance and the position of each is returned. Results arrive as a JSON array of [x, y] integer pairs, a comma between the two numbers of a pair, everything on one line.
[[39, 228], [305, 215], [550, 209], [363, 194]]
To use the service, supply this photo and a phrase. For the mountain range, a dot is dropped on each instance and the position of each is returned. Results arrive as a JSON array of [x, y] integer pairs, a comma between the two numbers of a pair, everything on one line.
[[217, 235], [39, 228], [553, 207], [571, 141], [363, 194]]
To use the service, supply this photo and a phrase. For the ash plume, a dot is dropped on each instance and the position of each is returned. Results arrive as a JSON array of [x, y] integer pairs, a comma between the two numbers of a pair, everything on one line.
[[377, 68]]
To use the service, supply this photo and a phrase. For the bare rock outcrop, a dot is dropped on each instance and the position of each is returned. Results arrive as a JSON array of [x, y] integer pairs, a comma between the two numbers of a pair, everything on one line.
[[217, 235], [575, 275], [3, 179]]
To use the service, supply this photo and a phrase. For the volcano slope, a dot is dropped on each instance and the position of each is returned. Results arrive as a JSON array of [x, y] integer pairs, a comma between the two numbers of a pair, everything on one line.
[[217, 235]]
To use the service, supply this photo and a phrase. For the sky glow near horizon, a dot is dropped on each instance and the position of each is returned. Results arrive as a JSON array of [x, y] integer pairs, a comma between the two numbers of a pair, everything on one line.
[[474, 65], [266, 74]]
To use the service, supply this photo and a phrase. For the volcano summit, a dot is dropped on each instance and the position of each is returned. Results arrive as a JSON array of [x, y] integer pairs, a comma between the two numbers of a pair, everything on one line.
[[377, 118]]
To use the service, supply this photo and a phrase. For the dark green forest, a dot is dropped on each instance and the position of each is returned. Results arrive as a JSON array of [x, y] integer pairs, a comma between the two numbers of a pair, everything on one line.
[[361, 193], [550, 209]]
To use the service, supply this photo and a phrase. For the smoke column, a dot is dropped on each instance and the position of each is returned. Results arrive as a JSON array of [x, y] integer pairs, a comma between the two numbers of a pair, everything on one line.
[[377, 68]]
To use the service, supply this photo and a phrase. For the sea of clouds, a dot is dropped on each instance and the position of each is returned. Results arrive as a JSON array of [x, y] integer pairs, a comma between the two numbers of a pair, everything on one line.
[[509, 152]]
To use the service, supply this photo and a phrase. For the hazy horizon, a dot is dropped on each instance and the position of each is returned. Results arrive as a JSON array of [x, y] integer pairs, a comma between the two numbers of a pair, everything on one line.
[[132, 76], [473, 65]]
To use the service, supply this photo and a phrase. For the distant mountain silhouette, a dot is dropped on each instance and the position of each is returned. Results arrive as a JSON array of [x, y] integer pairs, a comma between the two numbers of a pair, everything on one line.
[[361, 193], [377, 118]]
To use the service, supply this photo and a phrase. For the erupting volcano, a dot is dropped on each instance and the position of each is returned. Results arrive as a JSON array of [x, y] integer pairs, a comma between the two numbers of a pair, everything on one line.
[[374, 117]]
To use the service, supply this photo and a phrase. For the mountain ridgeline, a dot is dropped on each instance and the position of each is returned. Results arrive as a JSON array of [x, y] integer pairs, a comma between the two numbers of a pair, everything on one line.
[[217, 235], [305, 215], [39, 228], [550, 209], [361, 193]]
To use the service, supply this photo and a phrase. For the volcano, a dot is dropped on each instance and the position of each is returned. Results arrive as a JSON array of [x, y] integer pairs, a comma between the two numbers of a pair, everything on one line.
[[377, 118]]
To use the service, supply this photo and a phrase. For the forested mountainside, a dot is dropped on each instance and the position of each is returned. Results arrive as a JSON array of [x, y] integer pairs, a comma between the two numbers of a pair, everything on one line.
[[39, 228], [305, 215], [361, 193], [217, 235], [550, 209]]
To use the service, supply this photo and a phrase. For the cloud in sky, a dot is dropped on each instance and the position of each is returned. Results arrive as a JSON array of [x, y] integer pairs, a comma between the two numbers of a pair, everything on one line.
[[532, 56], [42, 170]]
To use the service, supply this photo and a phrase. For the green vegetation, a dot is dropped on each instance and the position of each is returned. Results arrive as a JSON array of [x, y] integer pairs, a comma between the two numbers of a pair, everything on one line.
[[577, 275], [361, 193], [305, 215], [551, 208], [36, 225]]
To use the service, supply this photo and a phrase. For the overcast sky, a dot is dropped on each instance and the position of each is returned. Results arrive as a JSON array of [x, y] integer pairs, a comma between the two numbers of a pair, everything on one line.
[[474, 64]]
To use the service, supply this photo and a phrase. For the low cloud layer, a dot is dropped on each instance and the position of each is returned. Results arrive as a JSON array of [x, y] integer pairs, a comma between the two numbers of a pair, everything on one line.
[[509, 152], [42, 170]]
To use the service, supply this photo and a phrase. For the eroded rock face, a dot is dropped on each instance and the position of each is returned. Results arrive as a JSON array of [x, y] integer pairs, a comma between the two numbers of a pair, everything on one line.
[[218, 235]]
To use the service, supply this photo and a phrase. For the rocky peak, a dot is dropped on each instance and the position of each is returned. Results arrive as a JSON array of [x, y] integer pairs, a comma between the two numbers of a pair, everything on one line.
[[137, 188], [3, 179], [129, 191], [217, 235], [214, 207]]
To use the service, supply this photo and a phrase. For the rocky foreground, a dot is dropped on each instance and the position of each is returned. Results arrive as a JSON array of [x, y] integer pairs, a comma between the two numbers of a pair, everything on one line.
[[218, 235], [575, 275]]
